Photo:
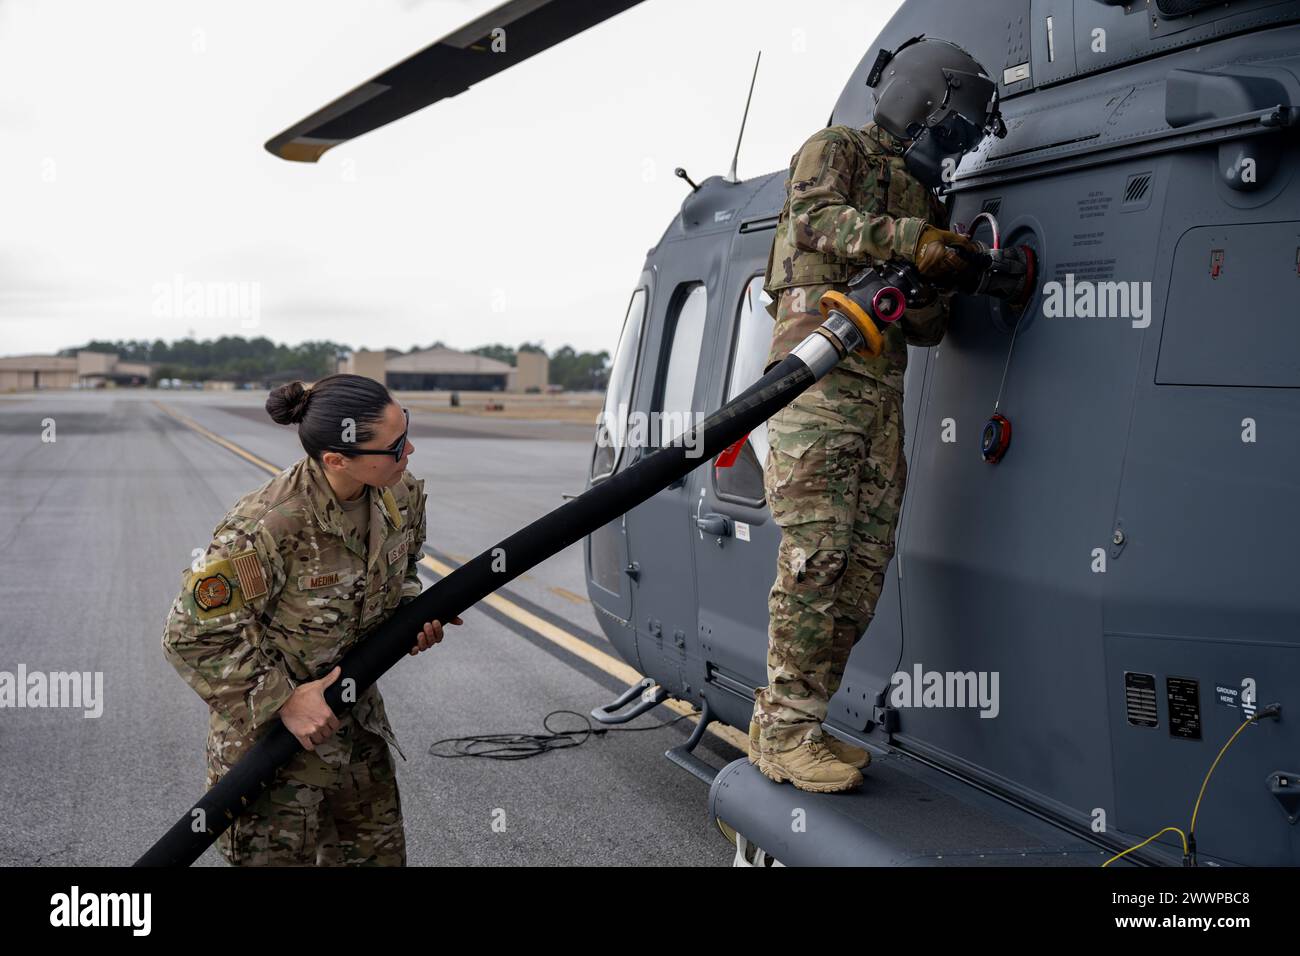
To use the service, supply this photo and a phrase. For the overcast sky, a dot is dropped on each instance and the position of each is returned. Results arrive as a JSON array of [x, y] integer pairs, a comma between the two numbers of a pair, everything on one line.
[[131, 161]]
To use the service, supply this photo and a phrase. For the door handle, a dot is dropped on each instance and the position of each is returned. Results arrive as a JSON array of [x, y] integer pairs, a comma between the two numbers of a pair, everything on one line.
[[714, 524]]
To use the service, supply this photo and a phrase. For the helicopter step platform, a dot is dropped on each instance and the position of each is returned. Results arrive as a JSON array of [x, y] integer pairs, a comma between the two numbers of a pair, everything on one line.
[[649, 695], [906, 813], [684, 755]]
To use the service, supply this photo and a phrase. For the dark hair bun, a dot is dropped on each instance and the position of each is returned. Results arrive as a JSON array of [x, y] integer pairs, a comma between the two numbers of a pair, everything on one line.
[[287, 404]]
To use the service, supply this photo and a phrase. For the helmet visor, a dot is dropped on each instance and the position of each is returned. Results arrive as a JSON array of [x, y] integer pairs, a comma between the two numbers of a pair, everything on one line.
[[953, 135]]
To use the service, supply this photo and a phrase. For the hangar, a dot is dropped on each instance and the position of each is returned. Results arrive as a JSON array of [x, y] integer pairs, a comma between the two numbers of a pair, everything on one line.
[[444, 369], [85, 370]]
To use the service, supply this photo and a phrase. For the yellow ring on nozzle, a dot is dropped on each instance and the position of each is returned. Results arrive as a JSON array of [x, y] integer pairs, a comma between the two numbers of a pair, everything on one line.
[[854, 313]]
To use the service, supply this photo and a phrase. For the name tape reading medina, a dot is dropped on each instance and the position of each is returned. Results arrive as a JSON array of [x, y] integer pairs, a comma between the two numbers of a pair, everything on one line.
[[76, 689]]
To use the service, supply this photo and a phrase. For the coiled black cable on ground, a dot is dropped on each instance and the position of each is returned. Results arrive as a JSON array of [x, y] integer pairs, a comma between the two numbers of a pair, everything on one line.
[[523, 746]]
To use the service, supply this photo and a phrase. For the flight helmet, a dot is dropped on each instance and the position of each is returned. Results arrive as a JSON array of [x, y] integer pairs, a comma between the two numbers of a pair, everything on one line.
[[937, 95]]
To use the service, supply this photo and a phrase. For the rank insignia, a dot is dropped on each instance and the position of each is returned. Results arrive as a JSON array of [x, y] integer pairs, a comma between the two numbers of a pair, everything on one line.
[[390, 505]]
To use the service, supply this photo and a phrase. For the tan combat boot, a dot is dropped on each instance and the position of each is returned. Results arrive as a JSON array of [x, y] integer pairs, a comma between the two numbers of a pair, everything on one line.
[[845, 752], [809, 766]]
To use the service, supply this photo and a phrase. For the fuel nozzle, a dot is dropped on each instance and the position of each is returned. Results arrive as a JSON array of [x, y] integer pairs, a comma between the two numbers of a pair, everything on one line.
[[1009, 274], [877, 297]]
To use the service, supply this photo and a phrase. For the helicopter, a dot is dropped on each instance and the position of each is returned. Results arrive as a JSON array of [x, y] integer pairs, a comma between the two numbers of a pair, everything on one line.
[[1088, 634]]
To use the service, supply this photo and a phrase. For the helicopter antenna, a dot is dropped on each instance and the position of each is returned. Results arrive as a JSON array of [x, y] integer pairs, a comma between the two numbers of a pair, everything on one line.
[[731, 176]]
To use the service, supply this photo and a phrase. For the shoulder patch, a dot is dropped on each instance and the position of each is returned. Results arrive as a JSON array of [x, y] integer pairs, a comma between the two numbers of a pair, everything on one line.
[[215, 590], [212, 591]]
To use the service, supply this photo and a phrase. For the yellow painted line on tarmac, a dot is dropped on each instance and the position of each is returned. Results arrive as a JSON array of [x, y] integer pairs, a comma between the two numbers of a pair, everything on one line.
[[569, 595], [556, 635], [213, 436]]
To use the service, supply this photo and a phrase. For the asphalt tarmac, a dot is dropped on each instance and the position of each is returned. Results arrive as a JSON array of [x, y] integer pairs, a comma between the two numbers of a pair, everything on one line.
[[96, 528]]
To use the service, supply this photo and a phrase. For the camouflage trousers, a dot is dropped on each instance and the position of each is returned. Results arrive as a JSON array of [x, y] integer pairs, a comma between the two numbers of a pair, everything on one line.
[[834, 480], [316, 814]]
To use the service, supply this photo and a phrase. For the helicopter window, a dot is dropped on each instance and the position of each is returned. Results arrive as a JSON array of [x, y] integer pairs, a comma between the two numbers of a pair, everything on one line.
[[753, 339], [612, 427], [743, 481], [675, 415]]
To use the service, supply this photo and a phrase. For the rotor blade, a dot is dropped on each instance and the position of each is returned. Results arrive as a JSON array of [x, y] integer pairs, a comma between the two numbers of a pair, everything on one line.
[[450, 66]]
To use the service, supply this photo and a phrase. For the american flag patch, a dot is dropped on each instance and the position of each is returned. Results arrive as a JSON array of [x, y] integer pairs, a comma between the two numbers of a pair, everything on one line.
[[252, 582]]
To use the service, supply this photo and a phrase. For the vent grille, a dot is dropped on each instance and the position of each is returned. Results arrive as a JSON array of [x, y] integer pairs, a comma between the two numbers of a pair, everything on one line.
[[1180, 8], [991, 206], [1137, 187], [1140, 699]]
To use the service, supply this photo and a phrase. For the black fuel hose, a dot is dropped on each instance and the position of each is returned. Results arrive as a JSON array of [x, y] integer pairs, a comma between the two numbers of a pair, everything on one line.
[[390, 641]]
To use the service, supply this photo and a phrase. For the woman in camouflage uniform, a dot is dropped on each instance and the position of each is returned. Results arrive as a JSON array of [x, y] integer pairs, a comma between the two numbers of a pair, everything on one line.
[[296, 573]]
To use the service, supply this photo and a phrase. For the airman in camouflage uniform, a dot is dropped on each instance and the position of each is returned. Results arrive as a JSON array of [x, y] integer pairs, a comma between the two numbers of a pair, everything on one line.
[[835, 473], [284, 590]]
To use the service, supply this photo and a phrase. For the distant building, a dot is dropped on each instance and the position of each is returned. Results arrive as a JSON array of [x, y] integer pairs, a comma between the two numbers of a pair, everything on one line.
[[86, 370], [369, 364], [532, 372], [445, 369], [439, 369]]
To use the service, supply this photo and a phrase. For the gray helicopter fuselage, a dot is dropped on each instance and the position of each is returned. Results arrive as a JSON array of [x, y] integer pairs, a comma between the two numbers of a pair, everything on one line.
[[1120, 592]]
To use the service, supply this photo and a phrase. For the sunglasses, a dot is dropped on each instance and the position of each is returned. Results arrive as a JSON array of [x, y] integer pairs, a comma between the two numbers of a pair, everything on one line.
[[395, 449]]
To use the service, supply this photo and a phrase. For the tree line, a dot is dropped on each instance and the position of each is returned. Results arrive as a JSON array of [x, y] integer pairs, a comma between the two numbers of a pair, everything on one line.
[[259, 360]]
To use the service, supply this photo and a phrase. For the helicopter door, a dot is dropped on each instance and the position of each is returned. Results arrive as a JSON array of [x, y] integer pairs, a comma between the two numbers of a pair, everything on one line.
[[606, 547], [657, 530], [735, 542]]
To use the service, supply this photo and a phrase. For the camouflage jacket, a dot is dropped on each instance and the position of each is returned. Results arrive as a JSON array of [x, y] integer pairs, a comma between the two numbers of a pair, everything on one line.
[[849, 201], [284, 590]]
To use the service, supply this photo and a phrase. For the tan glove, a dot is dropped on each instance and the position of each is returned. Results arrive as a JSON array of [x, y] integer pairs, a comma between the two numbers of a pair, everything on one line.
[[939, 257]]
